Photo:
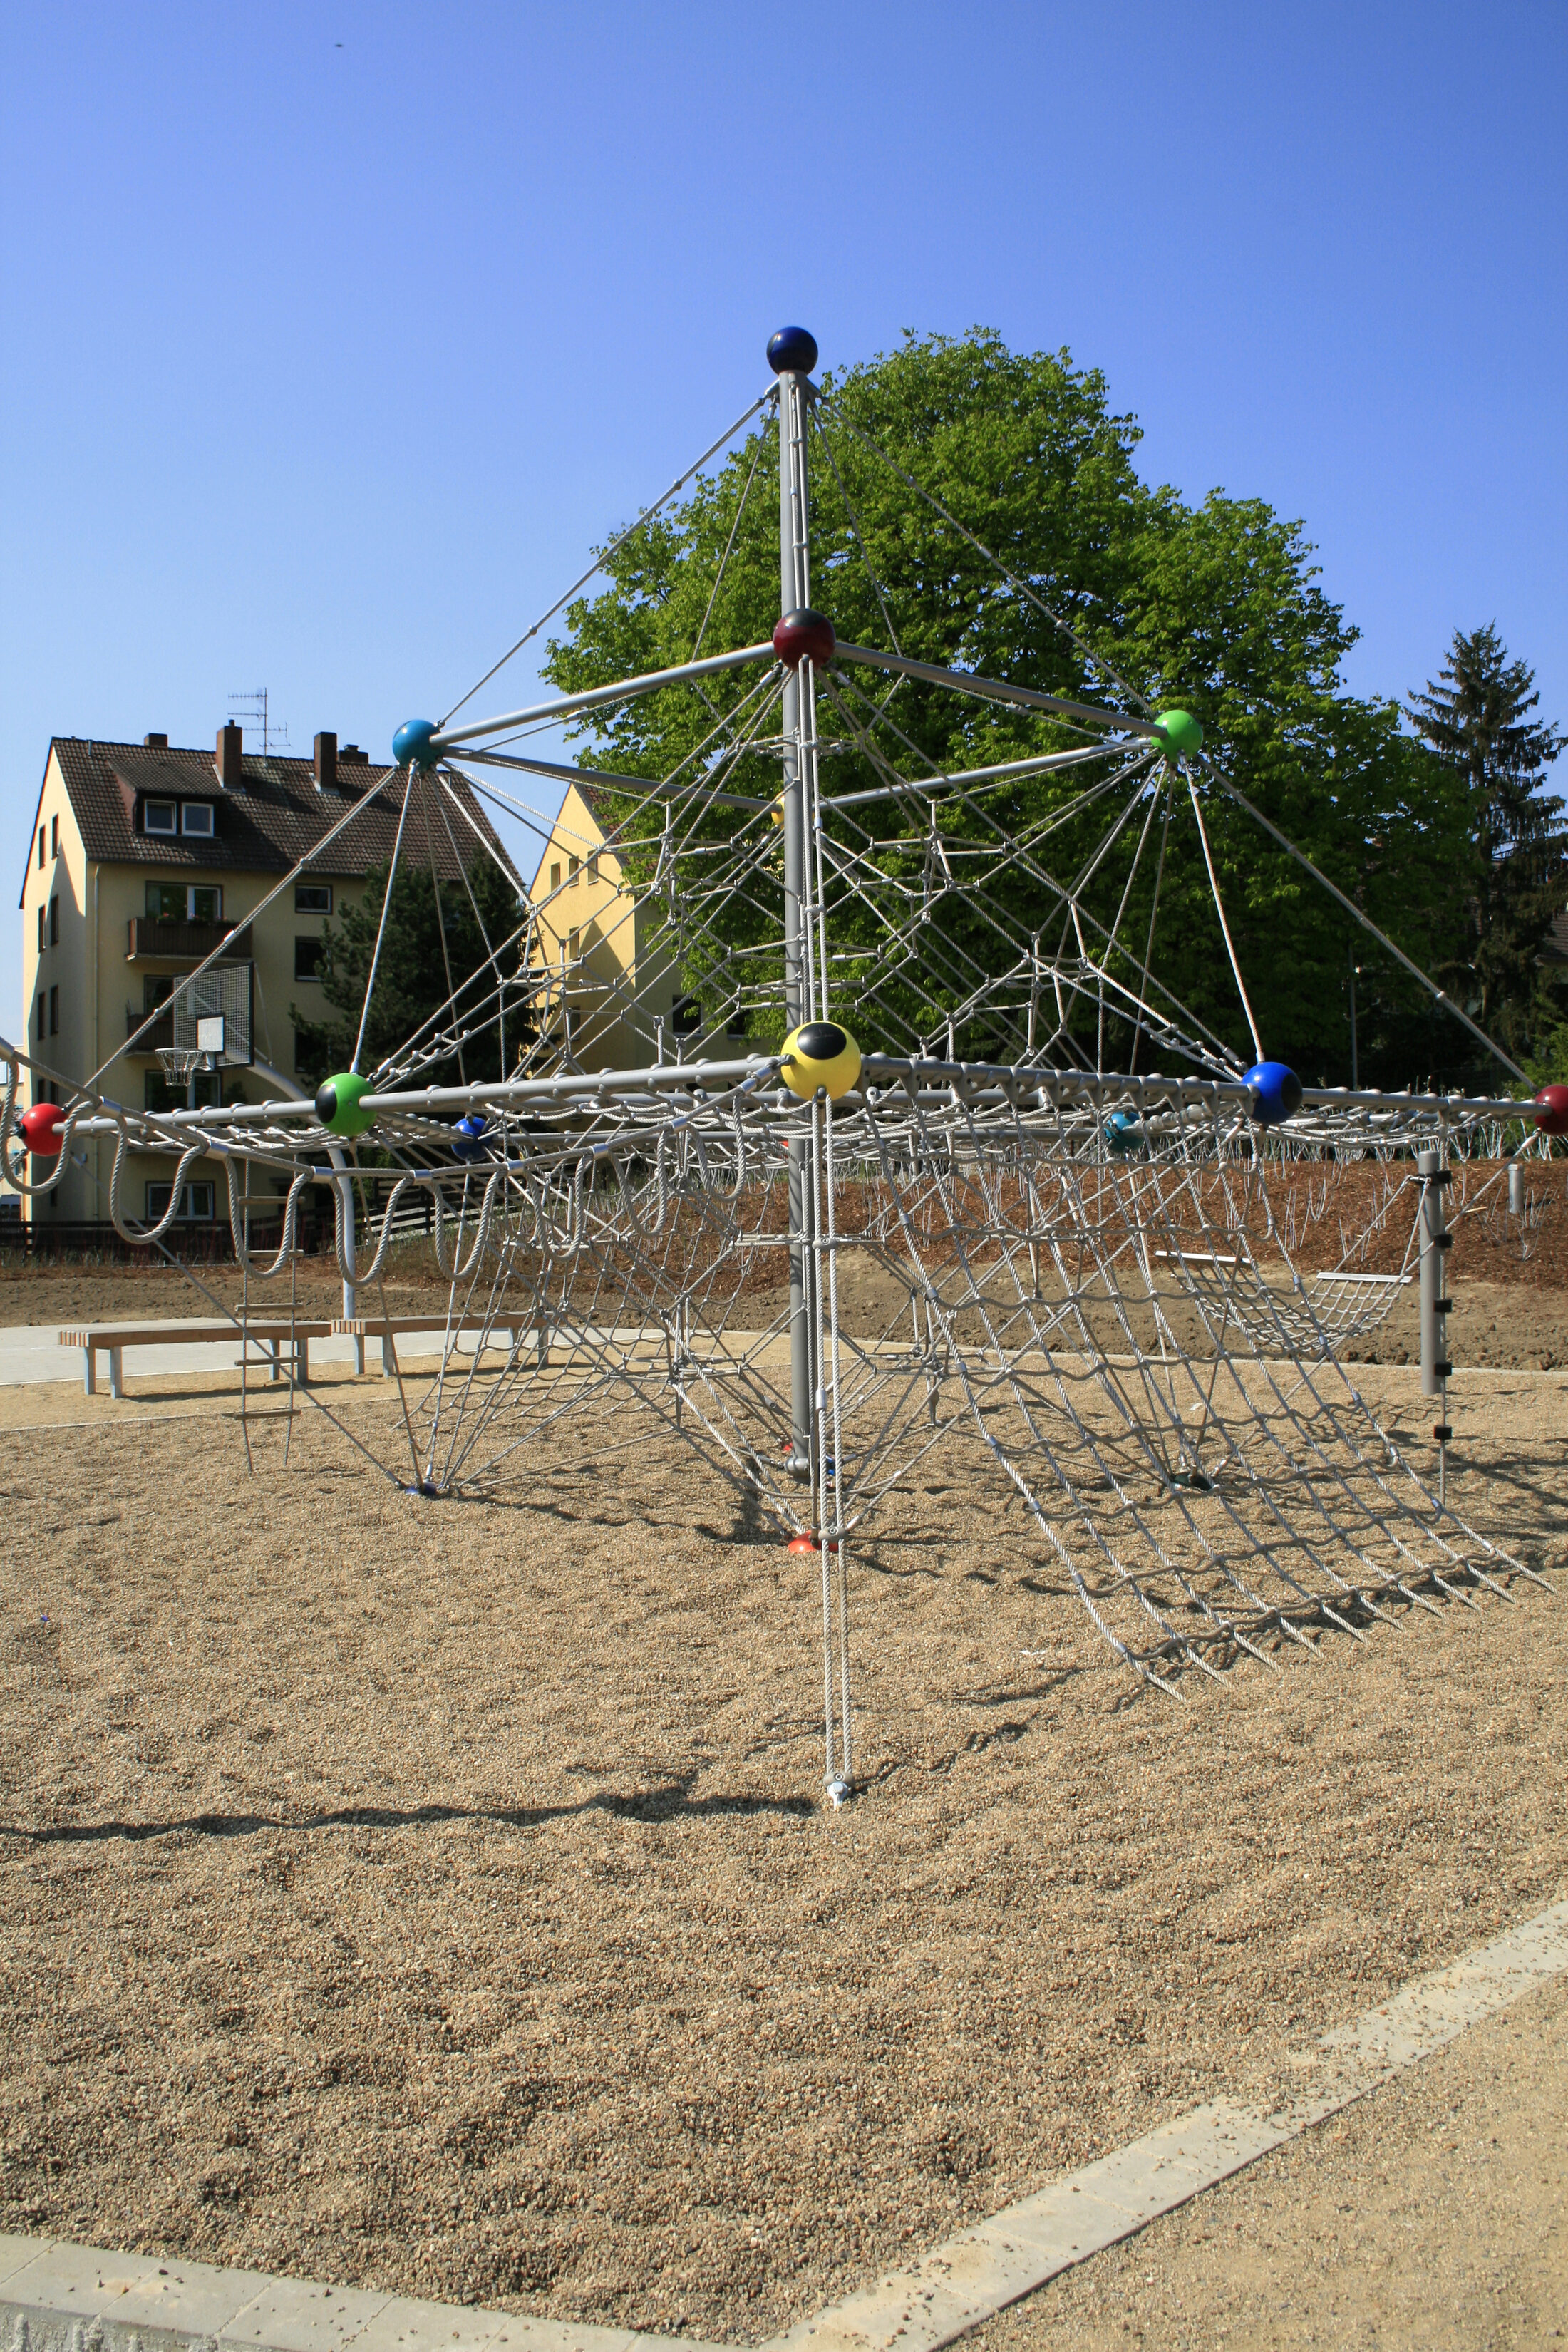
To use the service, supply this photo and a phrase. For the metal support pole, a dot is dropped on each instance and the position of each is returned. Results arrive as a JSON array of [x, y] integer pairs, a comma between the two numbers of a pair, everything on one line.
[[793, 593], [1435, 1242]]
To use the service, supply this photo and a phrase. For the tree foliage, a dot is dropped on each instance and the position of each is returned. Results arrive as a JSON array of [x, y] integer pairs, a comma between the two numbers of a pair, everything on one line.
[[418, 972], [1216, 607], [1476, 717]]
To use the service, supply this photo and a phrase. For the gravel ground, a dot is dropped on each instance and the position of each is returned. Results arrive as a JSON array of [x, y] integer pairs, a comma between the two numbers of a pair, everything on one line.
[[1433, 2215], [438, 1896]]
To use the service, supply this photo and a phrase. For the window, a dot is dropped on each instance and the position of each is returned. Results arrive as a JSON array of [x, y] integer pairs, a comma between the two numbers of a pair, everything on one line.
[[572, 866], [685, 1016], [195, 1201], [43, 1008], [594, 867], [156, 989], [195, 816], [555, 876], [572, 938], [42, 919], [53, 1012], [54, 922], [54, 836], [157, 816], [180, 902], [308, 958], [312, 897], [40, 849], [736, 1024]]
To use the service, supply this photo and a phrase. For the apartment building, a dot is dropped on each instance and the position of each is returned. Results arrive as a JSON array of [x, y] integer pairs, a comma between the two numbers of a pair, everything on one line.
[[141, 858]]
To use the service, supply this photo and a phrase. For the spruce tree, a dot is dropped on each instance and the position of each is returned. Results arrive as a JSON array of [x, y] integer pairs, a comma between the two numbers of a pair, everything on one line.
[[1476, 717]]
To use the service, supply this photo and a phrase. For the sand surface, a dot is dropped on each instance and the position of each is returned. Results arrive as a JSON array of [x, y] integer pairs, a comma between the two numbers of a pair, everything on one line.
[[1433, 2215], [440, 1896]]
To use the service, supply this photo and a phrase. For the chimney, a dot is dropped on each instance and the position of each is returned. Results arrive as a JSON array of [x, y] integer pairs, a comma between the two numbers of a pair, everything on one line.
[[156, 742], [326, 763], [230, 773]]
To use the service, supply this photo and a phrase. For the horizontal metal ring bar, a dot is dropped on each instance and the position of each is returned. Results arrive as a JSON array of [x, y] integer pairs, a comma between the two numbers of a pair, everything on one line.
[[993, 690], [563, 706]]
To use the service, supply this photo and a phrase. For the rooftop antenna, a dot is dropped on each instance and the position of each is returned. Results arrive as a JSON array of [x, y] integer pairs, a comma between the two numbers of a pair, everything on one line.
[[253, 706]]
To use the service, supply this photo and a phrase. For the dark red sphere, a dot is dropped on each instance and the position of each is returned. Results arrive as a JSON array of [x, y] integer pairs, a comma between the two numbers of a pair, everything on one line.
[[40, 1129], [1552, 1110], [804, 636]]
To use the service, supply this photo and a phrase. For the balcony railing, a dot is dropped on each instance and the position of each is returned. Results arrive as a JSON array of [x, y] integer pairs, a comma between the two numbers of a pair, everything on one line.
[[161, 1033], [183, 942]]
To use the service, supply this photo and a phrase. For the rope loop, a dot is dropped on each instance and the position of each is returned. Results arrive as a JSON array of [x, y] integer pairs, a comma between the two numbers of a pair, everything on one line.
[[444, 1256], [242, 1256], [140, 1235]]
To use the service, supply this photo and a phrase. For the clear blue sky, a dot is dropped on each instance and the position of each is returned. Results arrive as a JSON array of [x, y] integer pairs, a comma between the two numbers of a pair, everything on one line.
[[334, 334]]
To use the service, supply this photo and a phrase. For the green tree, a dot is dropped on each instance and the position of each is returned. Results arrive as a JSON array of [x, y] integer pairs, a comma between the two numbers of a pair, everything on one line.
[[1476, 717], [452, 1019], [1215, 607]]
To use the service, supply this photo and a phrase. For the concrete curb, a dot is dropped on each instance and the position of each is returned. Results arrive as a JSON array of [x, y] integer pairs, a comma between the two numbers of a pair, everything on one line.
[[58, 2297]]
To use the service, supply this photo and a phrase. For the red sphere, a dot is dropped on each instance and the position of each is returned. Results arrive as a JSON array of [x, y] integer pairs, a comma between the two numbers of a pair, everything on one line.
[[804, 636], [40, 1129], [1552, 1110]]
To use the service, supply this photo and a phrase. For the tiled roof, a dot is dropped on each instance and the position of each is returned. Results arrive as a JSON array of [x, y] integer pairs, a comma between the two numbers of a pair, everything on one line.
[[267, 827], [1554, 946]]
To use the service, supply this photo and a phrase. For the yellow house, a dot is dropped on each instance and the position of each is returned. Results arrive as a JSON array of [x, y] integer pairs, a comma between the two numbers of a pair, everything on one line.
[[142, 857], [607, 990]]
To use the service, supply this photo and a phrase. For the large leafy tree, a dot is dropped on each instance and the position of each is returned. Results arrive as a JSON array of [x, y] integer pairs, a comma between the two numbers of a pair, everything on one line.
[[1215, 607], [1476, 717], [435, 979]]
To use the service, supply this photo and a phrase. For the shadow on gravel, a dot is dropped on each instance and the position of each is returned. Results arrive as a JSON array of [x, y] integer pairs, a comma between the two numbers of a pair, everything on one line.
[[673, 1802]]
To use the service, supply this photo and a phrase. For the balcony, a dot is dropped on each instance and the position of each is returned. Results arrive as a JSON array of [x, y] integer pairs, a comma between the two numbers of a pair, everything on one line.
[[183, 942], [161, 1033]]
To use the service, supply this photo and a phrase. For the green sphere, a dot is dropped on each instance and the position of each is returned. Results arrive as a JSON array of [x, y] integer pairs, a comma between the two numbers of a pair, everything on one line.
[[338, 1105], [1179, 733]]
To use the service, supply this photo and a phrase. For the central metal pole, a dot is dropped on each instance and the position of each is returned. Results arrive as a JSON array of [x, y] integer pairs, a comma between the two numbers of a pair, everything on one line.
[[794, 591], [1432, 1169]]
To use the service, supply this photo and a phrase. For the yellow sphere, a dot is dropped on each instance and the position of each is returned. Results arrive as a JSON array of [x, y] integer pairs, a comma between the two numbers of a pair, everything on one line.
[[776, 812], [823, 1054]]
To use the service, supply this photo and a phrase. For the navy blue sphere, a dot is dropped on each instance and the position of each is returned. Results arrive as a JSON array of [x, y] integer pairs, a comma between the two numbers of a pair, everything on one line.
[[791, 347], [411, 744], [468, 1137], [1273, 1093]]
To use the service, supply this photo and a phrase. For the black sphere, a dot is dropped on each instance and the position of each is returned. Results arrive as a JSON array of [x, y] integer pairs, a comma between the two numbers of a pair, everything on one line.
[[792, 348], [821, 1040]]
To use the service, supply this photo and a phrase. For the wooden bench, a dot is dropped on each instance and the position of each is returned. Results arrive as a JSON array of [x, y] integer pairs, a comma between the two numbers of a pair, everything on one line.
[[114, 1339], [388, 1327]]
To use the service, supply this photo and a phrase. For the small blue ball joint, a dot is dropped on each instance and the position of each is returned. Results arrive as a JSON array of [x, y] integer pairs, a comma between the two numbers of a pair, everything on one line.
[[411, 745], [791, 350], [1273, 1093]]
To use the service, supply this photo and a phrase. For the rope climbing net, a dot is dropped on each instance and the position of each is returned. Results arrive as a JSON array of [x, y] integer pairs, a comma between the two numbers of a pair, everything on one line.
[[811, 1144]]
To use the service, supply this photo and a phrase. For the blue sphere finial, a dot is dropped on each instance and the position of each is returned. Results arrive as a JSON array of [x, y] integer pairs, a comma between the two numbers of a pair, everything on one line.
[[793, 347], [411, 744], [1273, 1093]]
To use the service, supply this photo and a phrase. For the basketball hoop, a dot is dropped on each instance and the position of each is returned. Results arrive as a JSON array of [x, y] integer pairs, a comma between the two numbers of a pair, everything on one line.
[[180, 1063]]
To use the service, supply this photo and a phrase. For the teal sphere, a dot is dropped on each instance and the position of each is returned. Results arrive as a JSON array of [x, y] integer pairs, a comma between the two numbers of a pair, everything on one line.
[[411, 744]]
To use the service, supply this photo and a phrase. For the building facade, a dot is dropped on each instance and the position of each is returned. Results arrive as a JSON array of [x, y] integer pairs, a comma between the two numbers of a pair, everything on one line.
[[142, 859]]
